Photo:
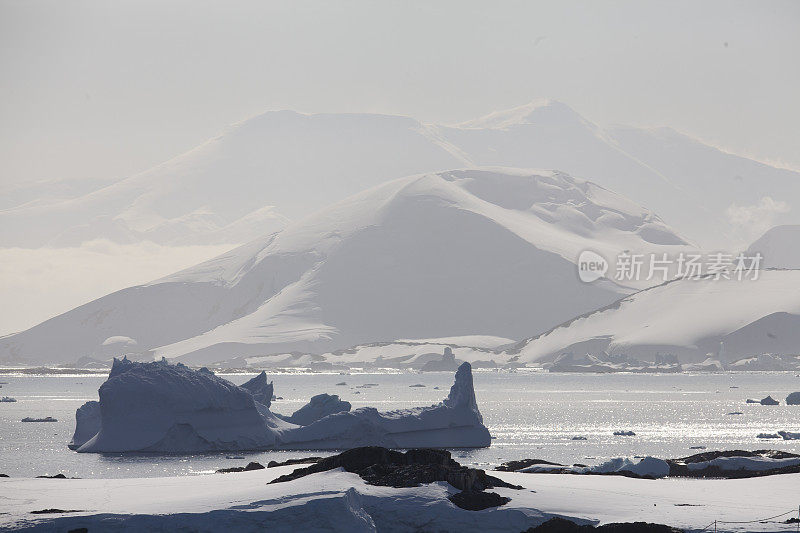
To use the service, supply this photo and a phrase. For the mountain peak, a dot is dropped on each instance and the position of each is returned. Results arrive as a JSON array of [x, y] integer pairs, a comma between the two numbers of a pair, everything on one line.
[[539, 111]]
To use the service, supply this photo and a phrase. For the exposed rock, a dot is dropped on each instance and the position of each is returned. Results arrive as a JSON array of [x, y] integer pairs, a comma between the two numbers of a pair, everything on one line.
[[45, 419], [389, 468], [624, 433], [788, 435], [57, 476], [682, 467], [250, 466], [513, 466], [768, 436], [769, 400], [56, 511], [604, 363], [477, 501], [793, 399], [562, 525], [301, 461]]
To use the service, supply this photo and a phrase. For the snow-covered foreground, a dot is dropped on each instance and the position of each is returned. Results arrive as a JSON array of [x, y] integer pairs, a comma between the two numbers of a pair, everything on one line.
[[342, 501]]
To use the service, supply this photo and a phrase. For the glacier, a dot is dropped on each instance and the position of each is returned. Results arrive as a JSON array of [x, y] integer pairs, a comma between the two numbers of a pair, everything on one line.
[[165, 408]]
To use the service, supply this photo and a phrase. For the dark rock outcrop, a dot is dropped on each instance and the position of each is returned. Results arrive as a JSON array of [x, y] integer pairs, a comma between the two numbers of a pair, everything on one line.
[[680, 468], [390, 468], [477, 501], [793, 399], [57, 476], [250, 466], [514, 466], [301, 461], [562, 525]]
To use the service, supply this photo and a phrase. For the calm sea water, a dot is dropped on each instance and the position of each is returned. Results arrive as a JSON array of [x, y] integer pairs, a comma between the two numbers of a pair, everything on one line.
[[529, 414]]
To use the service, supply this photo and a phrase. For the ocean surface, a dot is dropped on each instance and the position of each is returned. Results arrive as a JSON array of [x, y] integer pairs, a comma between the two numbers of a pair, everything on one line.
[[529, 414]]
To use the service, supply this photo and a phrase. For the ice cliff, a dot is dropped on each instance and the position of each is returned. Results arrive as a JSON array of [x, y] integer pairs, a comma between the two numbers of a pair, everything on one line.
[[159, 407]]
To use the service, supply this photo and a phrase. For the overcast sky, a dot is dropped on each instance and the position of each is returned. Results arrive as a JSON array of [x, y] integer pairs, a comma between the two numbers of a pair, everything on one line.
[[102, 89]]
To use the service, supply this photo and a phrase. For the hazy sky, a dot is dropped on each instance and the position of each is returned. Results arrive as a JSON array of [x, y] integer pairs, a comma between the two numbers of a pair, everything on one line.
[[102, 89]]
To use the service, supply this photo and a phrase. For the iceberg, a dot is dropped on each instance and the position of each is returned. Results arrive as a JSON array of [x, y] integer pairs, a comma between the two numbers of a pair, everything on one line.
[[319, 407], [87, 424], [160, 407], [261, 390]]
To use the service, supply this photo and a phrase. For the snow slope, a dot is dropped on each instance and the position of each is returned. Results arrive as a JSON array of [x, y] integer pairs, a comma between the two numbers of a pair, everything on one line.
[[239, 185], [342, 502], [688, 183], [779, 247], [685, 318], [466, 252], [282, 165]]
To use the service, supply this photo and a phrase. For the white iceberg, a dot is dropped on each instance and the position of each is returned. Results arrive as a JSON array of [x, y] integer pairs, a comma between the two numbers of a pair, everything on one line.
[[87, 424], [158, 407], [261, 390], [318, 407]]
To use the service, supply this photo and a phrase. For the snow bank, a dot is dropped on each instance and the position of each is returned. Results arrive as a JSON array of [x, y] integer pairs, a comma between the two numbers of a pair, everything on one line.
[[745, 463], [647, 467], [158, 407], [342, 501]]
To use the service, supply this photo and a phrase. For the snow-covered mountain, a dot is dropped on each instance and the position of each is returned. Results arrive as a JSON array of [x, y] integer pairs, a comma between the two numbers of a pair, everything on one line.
[[779, 247], [466, 252], [240, 185], [697, 189], [281, 166], [687, 318]]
